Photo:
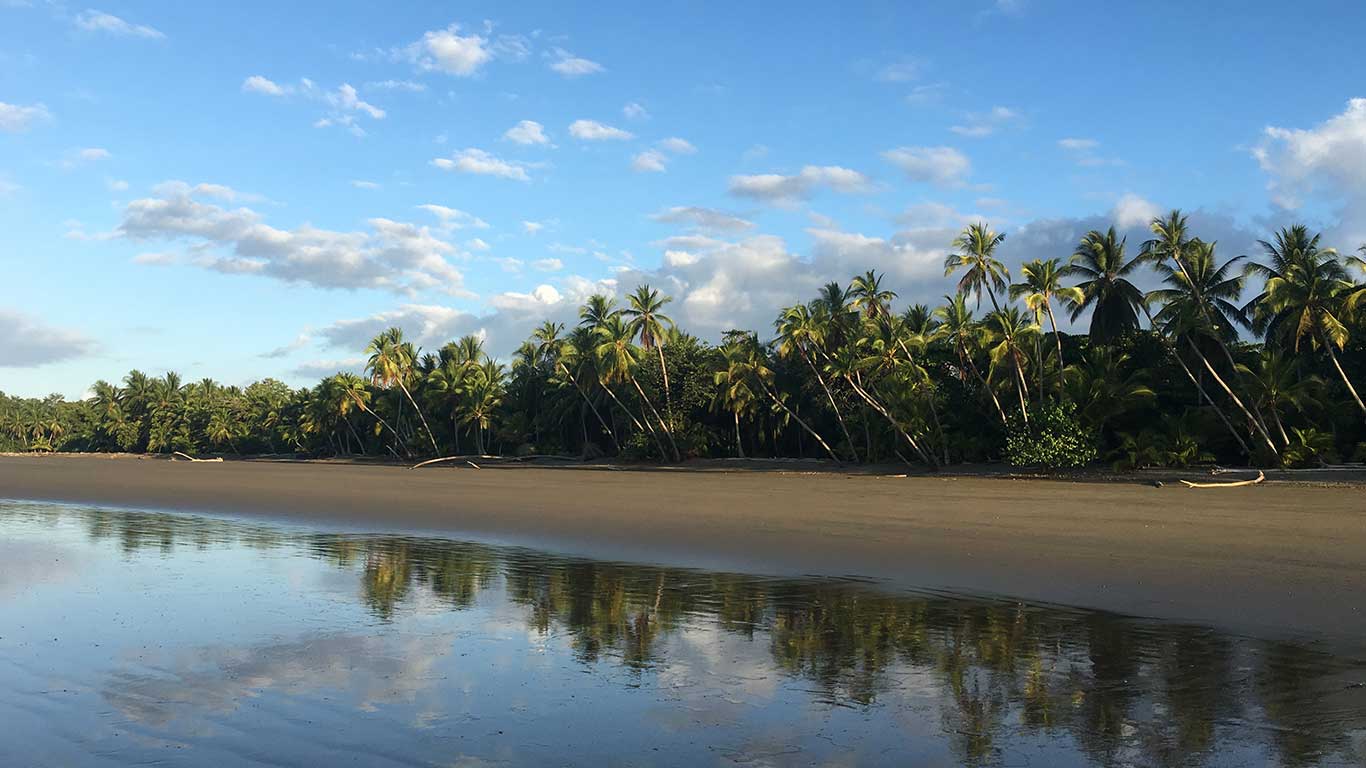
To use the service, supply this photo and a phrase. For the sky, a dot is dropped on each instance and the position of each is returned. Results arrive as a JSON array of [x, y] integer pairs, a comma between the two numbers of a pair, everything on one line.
[[255, 189]]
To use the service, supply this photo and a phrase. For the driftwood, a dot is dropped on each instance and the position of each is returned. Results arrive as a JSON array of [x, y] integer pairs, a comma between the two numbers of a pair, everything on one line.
[[445, 459], [1234, 484], [188, 457], [466, 459]]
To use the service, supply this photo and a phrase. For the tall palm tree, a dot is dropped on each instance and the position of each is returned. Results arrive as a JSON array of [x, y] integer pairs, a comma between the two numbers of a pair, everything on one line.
[[754, 366], [802, 332], [1279, 387], [1310, 299], [976, 255], [480, 397], [1040, 285], [650, 324], [391, 362], [619, 357], [734, 392], [869, 296], [1106, 289], [957, 327], [564, 357], [1010, 331]]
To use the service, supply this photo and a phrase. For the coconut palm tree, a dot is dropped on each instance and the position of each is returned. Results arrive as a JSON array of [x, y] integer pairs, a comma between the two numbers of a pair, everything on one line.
[[802, 332], [1106, 290], [390, 363], [734, 392], [753, 358], [1103, 386], [564, 357], [1010, 331], [976, 256], [650, 324], [481, 395], [1040, 285], [1279, 387], [957, 327], [618, 357], [1309, 297], [869, 296]]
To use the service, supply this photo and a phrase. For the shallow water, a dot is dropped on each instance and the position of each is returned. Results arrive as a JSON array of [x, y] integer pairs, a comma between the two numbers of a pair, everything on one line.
[[135, 637]]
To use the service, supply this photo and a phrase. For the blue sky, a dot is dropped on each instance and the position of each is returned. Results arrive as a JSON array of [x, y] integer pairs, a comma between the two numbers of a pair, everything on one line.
[[250, 191]]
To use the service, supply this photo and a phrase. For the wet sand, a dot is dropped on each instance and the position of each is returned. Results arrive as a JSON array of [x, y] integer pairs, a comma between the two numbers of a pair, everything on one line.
[[1279, 558]]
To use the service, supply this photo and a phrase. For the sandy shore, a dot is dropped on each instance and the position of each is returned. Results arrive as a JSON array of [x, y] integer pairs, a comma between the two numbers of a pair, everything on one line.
[[1280, 558]]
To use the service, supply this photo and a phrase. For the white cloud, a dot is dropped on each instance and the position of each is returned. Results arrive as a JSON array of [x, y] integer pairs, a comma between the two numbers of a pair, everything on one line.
[[634, 111], [482, 163], [363, 184], [156, 258], [1073, 144], [979, 124], [592, 130], [391, 255], [396, 85], [777, 188], [346, 98], [944, 166], [1326, 163], [527, 132], [84, 156], [569, 65], [703, 219], [446, 50], [477, 244], [259, 84], [454, 218], [26, 342], [1132, 211], [16, 117], [98, 21], [649, 161], [903, 70], [1084, 152], [532, 227], [548, 265], [677, 146]]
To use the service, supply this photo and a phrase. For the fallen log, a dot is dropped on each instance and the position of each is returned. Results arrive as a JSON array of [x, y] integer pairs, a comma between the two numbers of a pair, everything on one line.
[[188, 457], [448, 458], [1234, 484]]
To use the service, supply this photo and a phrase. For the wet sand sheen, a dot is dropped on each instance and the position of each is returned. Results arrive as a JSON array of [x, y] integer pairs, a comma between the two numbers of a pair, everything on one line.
[[1277, 558]]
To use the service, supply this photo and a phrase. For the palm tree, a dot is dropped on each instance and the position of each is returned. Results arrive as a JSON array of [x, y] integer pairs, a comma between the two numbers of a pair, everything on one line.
[[958, 328], [390, 363], [1010, 330], [619, 358], [753, 358], [1115, 301], [733, 387], [1278, 387], [1308, 296], [650, 325], [1042, 283], [480, 397], [564, 356], [869, 296], [977, 256], [803, 332], [1102, 387]]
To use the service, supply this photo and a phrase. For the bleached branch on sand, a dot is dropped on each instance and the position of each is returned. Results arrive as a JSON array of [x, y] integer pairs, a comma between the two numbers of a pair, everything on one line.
[[1235, 484], [188, 457]]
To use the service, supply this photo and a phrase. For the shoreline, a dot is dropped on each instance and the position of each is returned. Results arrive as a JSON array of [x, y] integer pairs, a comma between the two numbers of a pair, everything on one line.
[[1283, 558]]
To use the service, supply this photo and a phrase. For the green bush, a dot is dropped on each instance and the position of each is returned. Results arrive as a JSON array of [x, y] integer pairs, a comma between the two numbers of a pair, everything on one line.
[[1053, 438]]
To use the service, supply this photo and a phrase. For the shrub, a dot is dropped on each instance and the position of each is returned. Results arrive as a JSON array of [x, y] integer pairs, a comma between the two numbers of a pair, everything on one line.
[[1054, 438]]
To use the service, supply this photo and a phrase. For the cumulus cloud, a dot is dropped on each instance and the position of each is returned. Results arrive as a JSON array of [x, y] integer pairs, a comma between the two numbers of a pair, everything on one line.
[[943, 166], [78, 157], [1074, 144], [260, 84], [396, 85], [448, 51], [344, 103], [677, 146], [363, 184], [634, 111], [17, 117], [453, 218], [979, 124], [98, 21], [391, 255], [779, 188], [1325, 163], [547, 265], [532, 227], [1133, 211], [649, 161], [527, 132], [569, 65], [702, 219], [26, 342], [592, 130], [482, 163]]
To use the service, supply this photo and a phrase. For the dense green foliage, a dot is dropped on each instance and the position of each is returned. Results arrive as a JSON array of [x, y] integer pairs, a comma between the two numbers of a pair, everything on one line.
[[1164, 378]]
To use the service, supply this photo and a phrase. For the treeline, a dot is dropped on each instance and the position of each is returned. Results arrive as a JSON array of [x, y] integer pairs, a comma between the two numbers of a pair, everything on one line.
[[1186, 374]]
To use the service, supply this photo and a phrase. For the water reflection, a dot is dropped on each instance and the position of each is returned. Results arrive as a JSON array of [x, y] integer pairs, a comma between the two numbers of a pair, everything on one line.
[[459, 651]]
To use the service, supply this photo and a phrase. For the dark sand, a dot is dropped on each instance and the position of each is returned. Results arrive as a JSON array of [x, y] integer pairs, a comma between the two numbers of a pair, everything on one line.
[[1280, 558]]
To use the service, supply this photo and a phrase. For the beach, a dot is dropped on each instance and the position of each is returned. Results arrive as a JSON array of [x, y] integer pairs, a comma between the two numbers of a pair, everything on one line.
[[1277, 558]]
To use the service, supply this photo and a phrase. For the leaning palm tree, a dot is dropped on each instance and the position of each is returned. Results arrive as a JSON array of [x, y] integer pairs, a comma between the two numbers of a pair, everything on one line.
[[976, 255], [755, 367], [1040, 285], [1106, 290], [1010, 331], [564, 357], [1311, 300], [390, 363], [650, 325], [803, 332], [1279, 387], [733, 390], [957, 327], [619, 358]]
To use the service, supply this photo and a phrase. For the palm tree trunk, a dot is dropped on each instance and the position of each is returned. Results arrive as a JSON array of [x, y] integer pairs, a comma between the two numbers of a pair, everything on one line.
[[667, 431], [1020, 388], [1057, 337], [739, 449], [1333, 356], [611, 433], [929, 460], [831, 397], [359, 442], [668, 396], [435, 451], [972, 366], [1257, 425], [642, 427], [1279, 426], [381, 420], [774, 397]]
